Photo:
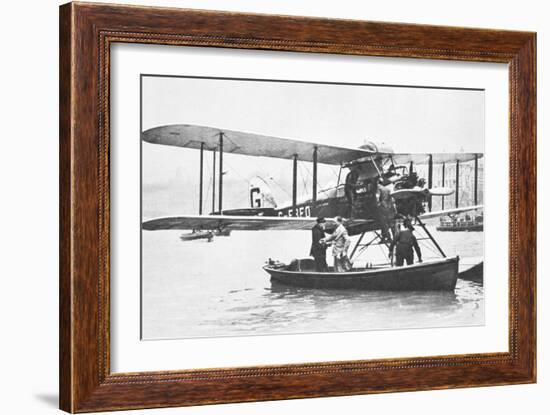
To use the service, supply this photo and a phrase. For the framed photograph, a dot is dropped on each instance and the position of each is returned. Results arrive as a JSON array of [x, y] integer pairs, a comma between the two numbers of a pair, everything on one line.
[[258, 207]]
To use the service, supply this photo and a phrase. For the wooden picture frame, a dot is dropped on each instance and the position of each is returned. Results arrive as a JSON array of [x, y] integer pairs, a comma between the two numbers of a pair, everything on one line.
[[86, 33]]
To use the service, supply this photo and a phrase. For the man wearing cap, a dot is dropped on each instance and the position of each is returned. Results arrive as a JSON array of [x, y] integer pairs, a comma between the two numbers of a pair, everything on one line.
[[404, 241], [318, 248]]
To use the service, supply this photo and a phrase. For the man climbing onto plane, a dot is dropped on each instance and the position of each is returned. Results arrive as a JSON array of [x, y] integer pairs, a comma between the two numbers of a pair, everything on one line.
[[404, 241], [349, 190], [385, 211], [341, 242]]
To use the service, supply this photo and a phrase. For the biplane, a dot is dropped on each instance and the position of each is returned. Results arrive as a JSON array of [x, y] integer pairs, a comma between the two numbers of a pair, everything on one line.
[[371, 171]]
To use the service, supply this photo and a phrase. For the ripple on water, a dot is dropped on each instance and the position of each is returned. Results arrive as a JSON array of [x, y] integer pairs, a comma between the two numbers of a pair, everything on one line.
[[187, 293]]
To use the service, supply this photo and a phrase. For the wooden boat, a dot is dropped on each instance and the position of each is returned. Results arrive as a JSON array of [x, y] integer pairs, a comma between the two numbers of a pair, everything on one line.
[[437, 275]]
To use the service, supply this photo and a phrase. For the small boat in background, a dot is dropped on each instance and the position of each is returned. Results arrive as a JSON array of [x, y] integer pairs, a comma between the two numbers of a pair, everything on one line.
[[436, 275], [196, 235], [209, 235], [222, 232], [467, 222]]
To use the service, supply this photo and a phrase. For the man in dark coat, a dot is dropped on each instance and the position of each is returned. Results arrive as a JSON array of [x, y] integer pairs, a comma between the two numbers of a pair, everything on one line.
[[404, 241], [349, 190], [318, 248]]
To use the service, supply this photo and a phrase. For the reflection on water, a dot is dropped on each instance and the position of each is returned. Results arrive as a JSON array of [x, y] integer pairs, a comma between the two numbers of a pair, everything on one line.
[[201, 289]]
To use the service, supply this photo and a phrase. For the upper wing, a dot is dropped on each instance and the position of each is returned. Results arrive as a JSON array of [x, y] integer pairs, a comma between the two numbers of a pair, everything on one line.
[[241, 223], [446, 212], [437, 158], [191, 136]]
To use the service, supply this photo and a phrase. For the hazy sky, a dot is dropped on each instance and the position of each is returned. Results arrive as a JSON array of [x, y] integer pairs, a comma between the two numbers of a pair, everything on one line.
[[416, 120]]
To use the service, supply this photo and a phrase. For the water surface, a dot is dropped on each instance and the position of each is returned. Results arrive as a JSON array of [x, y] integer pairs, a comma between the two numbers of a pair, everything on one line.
[[201, 289]]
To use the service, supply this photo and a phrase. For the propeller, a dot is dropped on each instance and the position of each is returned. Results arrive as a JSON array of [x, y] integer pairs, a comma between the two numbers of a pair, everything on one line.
[[434, 191], [441, 191]]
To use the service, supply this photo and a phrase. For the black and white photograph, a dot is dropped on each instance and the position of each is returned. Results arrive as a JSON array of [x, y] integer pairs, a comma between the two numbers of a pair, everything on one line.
[[297, 206], [280, 206]]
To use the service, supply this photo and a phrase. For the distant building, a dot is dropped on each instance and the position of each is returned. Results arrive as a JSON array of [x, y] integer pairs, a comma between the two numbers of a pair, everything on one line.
[[466, 177]]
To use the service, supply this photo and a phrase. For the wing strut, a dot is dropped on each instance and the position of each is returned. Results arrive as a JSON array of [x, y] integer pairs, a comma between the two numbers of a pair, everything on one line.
[[457, 176], [294, 181], [314, 191], [220, 173], [430, 180], [443, 184], [475, 179], [213, 180], [200, 178]]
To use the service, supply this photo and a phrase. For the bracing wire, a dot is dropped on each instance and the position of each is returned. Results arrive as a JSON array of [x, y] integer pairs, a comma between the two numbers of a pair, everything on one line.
[[304, 181], [334, 172], [207, 195], [272, 180], [423, 244], [237, 172], [319, 184], [244, 197], [208, 189], [382, 250], [429, 247]]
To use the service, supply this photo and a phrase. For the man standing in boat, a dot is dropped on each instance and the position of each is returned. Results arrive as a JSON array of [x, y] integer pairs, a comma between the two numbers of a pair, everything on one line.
[[341, 242], [404, 241], [318, 248]]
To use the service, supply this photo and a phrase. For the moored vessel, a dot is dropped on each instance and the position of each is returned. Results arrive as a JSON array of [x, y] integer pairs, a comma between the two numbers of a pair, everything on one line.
[[468, 223]]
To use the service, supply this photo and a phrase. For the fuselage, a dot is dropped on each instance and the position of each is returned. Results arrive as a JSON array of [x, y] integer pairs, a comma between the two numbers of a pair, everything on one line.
[[359, 197]]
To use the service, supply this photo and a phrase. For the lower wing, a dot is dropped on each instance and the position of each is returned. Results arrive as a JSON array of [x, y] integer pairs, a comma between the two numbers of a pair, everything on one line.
[[240, 223], [448, 212], [224, 222]]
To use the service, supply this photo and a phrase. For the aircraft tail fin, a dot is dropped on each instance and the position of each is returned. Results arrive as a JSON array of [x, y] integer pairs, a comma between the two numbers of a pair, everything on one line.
[[260, 194]]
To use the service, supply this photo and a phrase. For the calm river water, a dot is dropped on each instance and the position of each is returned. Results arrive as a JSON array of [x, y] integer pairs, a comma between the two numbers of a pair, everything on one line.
[[201, 289]]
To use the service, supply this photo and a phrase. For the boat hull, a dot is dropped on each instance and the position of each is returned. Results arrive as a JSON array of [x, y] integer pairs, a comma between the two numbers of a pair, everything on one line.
[[438, 275], [473, 273]]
